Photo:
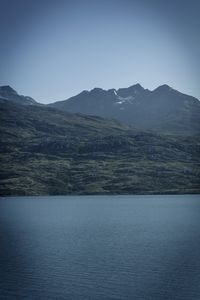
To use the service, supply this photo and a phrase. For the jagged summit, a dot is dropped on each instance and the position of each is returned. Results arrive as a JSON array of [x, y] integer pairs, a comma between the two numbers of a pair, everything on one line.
[[97, 90], [136, 86], [164, 88], [6, 89], [8, 93], [131, 90], [164, 109]]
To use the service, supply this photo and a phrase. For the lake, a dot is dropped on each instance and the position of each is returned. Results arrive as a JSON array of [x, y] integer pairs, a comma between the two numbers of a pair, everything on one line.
[[100, 247]]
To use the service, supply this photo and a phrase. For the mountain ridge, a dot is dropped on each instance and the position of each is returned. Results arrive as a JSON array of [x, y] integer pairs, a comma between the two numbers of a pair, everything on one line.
[[8, 93], [164, 109]]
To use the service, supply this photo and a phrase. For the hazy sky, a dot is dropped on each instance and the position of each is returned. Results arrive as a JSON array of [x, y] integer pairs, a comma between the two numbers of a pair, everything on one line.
[[52, 50]]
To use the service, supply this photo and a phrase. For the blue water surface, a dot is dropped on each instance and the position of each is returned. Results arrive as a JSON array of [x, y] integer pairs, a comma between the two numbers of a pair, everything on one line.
[[100, 247]]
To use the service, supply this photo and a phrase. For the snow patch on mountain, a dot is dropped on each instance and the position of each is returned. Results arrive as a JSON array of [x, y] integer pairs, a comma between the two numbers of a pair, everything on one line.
[[122, 100]]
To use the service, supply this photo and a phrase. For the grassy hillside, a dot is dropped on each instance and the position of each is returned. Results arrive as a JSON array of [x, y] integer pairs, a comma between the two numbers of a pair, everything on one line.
[[44, 151]]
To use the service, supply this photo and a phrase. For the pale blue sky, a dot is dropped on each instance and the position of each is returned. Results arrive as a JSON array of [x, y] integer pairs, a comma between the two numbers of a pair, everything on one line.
[[52, 50]]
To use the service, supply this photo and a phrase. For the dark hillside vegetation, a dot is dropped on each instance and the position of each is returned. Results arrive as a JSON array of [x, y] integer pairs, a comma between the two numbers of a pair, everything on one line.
[[44, 151]]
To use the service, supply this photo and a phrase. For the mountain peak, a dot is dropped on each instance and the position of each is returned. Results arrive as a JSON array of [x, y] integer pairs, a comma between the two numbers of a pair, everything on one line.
[[6, 89], [8, 93], [136, 86], [131, 90], [97, 89], [98, 92], [164, 88]]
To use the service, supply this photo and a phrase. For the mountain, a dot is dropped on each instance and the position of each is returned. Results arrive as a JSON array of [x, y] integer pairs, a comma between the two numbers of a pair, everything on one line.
[[7, 93], [164, 109], [44, 151]]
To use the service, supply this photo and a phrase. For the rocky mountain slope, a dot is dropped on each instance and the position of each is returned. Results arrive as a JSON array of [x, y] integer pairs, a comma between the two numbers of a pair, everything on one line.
[[163, 110], [8, 93]]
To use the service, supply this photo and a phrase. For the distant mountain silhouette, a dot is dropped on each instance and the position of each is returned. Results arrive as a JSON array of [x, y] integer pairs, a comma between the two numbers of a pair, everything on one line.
[[8, 93], [163, 109]]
